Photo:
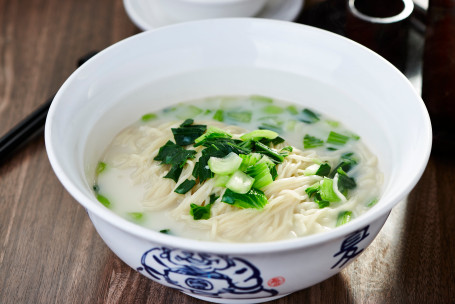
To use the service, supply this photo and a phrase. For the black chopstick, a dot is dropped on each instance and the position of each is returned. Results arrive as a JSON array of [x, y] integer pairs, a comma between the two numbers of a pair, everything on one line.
[[31, 125]]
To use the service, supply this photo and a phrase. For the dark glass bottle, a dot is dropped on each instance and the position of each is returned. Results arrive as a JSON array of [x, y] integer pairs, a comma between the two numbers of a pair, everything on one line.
[[438, 73]]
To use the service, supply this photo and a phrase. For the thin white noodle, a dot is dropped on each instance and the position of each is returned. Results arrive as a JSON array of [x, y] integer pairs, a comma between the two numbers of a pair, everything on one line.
[[288, 214]]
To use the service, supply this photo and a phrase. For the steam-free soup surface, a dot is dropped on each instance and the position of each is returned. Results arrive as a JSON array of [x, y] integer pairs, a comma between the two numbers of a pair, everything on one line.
[[202, 170]]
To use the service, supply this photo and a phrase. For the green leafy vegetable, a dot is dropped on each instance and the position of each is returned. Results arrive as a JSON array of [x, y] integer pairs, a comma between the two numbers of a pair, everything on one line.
[[327, 192], [103, 200], [226, 165], [313, 189], [172, 154], [189, 112], [321, 203], [100, 167], [343, 218], [187, 133], [252, 199], [165, 231], [292, 110], [261, 174], [185, 186], [200, 212], [272, 109], [308, 116], [96, 188], [310, 142], [347, 161], [219, 115], [259, 134], [249, 160], [274, 155], [148, 117], [324, 170], [345, 182], [240, 182], [212, 133], [136, 216], [240, 116], [372, 202], [261, 99], [271, 127], [176, 156]]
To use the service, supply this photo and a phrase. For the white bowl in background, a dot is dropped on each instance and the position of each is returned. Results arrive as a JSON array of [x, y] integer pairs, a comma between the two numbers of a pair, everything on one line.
[[187, 10], [283, 60]]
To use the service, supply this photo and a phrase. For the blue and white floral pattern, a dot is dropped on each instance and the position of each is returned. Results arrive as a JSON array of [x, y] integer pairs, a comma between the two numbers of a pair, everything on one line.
[[204, 274]]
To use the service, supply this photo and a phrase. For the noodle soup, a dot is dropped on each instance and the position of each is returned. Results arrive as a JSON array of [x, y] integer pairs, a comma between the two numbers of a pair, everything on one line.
[[238, 169]]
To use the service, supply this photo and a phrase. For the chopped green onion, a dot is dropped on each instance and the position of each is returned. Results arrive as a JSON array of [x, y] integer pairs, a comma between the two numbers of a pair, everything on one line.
[[310, 142], [337, 139], [185, 186], [165, 231], [343, 218], [226, 165], [259, 134], [240, 182], [103, 200]]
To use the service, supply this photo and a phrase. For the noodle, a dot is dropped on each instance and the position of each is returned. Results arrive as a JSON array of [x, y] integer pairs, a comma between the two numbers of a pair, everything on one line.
[[289, 213]]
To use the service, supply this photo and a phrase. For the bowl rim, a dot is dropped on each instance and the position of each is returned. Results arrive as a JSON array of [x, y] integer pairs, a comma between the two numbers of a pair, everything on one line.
[[94, 208], [212, 3]]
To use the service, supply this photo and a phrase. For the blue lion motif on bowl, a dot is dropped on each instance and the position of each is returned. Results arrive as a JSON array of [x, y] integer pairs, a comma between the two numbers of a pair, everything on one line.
[[204, 274]]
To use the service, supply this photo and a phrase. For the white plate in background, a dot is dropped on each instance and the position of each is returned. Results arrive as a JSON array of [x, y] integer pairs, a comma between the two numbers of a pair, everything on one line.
[[147, 15]]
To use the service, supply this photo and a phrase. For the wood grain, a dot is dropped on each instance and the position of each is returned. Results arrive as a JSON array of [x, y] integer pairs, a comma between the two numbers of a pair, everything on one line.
[[49, 250]]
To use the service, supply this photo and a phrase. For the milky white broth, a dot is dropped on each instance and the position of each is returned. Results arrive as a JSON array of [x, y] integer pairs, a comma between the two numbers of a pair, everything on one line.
[[127, 188]]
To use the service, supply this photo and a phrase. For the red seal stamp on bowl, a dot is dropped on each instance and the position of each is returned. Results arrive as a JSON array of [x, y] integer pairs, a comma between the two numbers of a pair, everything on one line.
[[276, 281]]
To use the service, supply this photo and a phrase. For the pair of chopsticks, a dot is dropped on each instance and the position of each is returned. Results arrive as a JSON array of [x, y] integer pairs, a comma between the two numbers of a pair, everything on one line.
[[31, 125]]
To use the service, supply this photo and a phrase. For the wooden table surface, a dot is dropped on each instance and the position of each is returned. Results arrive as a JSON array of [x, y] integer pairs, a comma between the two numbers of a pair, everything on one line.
[[49, 250]]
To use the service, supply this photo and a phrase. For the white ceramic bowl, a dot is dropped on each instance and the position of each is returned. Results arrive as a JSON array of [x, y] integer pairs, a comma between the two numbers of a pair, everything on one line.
[[280, 59], [186, 10]]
